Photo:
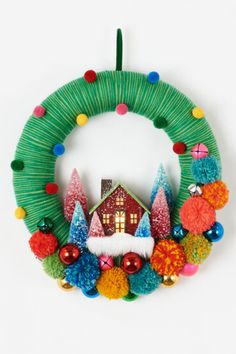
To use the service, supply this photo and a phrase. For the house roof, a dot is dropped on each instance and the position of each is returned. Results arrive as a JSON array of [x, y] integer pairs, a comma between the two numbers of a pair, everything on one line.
[[111, 191]]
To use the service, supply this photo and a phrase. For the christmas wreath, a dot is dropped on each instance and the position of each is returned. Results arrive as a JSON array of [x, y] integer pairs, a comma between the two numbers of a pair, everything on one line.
[[120, 248]]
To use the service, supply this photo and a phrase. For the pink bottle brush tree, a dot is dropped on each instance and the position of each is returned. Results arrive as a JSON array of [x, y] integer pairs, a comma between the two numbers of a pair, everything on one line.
[[75, 193], [160, 216]]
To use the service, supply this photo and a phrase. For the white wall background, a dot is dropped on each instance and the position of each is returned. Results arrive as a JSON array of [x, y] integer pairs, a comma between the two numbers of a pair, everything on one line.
[[44, 44]]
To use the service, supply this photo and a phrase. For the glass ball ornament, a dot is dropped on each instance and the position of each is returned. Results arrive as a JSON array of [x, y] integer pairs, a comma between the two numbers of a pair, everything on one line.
[[130, 297], [131, 263], [178, 232], [45, 225], [215, 233], [64, 285], [169, 280], [189, 269], [69, 253], [92, 293], [194, 190]]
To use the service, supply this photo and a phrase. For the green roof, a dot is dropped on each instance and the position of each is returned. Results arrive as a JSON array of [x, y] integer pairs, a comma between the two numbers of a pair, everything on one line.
[[111, 191]]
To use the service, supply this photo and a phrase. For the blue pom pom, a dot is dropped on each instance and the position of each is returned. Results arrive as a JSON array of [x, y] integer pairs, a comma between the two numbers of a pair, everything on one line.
[[153, 77], [58, 149], [206, 170], [84, 272], [92, 293], [145, 281]]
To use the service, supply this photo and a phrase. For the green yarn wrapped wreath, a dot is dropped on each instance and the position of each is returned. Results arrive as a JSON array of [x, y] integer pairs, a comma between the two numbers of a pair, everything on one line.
[[99, 252]]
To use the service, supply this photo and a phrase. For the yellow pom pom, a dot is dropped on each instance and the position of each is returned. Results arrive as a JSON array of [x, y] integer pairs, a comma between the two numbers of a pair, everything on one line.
[[198, 113], [113, 283], [196, 247], [82, 119], [20, 213]]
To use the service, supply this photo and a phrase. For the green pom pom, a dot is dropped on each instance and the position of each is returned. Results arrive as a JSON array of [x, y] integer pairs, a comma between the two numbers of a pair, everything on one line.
[[160, 122], [53, 266], [17, 165]]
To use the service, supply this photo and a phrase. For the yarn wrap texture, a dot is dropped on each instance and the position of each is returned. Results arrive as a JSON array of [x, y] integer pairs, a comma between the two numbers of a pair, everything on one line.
[[103, 95]]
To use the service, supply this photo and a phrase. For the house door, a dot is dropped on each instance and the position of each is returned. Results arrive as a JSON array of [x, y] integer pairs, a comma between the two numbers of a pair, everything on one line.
[[120, 221]]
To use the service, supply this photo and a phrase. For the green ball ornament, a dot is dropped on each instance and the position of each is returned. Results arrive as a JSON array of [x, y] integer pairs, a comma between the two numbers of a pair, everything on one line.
[[45, 225]]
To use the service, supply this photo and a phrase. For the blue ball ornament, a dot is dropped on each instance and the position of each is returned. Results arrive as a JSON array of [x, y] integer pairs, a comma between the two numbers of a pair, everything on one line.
[[153, 77], [178, 232], [58, 149], [215, 233]]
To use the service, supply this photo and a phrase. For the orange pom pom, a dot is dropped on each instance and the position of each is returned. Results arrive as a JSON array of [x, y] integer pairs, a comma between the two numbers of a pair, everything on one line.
[[168, 257], [216, 194], [197, 215]]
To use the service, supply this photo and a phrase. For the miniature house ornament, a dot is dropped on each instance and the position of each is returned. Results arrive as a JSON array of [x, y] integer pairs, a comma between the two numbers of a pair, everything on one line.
[[120, 247]]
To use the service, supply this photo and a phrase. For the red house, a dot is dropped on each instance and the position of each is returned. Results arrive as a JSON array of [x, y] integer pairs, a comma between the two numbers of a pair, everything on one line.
[[119, 210]]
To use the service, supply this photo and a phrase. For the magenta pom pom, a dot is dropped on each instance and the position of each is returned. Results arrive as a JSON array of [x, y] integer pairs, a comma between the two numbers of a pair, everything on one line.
[[39, 111], [121, 109]]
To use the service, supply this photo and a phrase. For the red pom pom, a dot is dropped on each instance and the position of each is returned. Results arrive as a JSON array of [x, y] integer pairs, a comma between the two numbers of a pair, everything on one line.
[[179, 148], [43, 245], [51, 188], [197, 215], [90, 76]]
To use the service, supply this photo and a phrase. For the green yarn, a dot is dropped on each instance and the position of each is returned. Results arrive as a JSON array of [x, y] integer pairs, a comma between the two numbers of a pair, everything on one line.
[[53, 266], [62, 107], [160, 122]]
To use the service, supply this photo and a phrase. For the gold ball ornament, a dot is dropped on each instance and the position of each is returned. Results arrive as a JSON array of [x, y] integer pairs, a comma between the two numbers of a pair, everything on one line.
[[64, 285], [169, 280]]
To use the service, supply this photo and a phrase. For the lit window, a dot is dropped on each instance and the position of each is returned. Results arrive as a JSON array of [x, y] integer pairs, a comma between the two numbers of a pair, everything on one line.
[[119, 201], [120, 221], [106, 218], [133, 218]]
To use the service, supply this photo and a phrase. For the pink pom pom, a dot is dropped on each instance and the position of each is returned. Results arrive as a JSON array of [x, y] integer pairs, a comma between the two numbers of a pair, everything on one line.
[[39, 111], [199, 151], [189, 269], [121, 109]]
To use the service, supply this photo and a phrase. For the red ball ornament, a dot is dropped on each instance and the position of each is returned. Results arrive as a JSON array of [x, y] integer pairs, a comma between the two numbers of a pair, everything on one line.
[[90, 76], [179, 148], [51, 188], [69, 253], [106, 262], [43, 245], [131, 263]]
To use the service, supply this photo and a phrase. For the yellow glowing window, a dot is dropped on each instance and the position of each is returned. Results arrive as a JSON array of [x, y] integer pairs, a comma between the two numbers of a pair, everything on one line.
[[120, 221], [133, 218], [119, 201], [106, 218]]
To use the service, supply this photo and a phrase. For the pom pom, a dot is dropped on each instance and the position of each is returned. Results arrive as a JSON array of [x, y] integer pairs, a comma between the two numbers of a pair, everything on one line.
[[39, 111], [206, 170], [20, 213], [121, 109], [153, 77], [216, 194], [179, 148], [43, 245], [198, 112], [168, 257], [84, 272], [145, 281], [17, 165], [160, 122], [51, 188], [58, 149], [90, 76], [53, 266], [82, 119], [113, 283], [197, 215], [196, 247]]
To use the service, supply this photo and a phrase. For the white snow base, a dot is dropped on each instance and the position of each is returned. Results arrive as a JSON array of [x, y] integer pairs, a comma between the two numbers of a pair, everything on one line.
[[120, 243]]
